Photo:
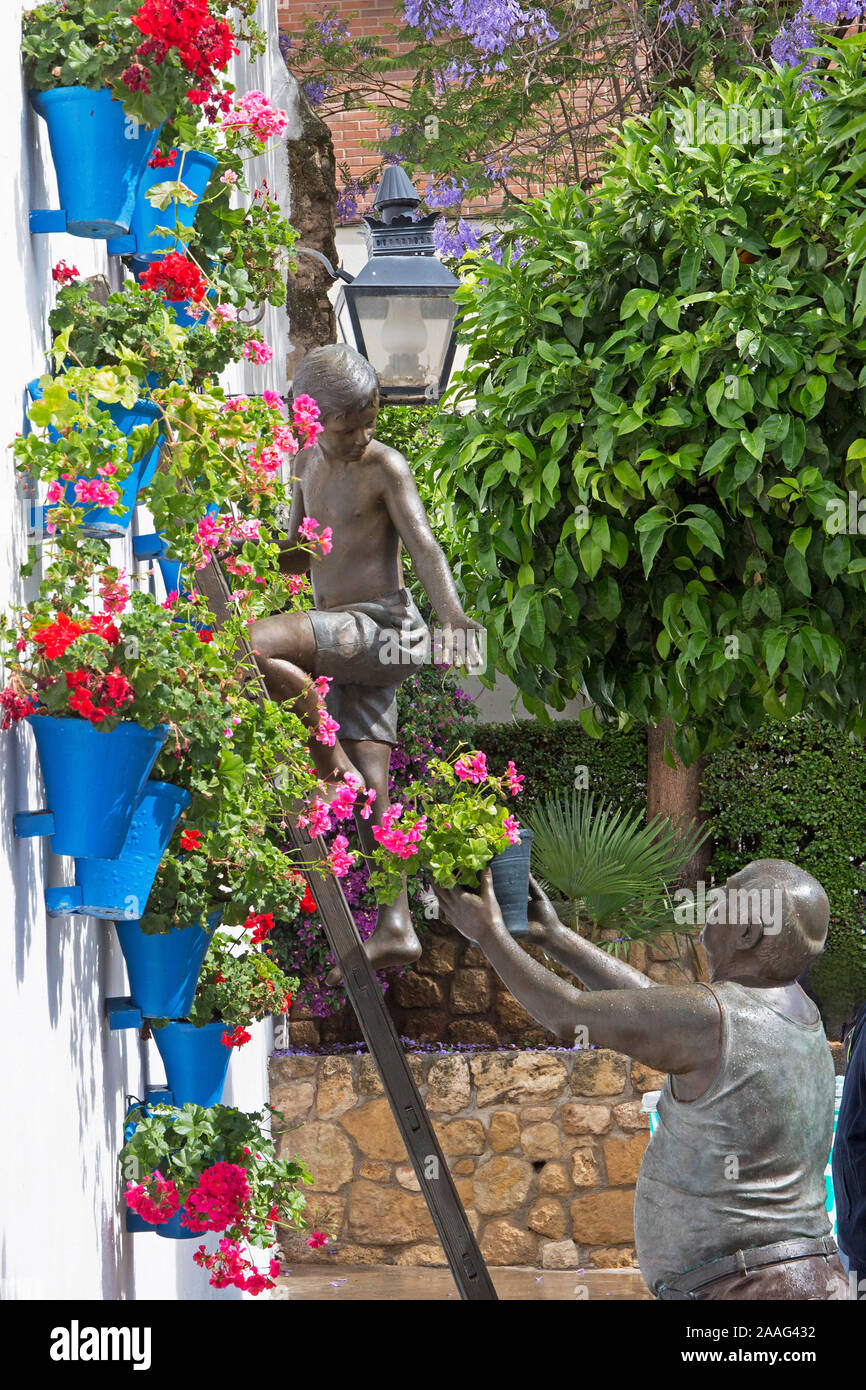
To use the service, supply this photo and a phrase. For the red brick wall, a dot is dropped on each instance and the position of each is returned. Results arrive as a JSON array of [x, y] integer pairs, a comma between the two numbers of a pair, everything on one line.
[[368, 19]]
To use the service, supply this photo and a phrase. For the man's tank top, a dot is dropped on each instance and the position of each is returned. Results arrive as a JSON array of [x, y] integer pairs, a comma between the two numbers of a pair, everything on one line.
[[743, 1165]]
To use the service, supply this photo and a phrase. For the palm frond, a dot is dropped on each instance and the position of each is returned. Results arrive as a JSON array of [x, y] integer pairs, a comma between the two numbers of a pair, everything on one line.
[[617, 866]]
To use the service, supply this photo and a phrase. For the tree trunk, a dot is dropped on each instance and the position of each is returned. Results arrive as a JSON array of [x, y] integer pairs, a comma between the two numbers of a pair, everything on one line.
[[312, 181], [675, 792]]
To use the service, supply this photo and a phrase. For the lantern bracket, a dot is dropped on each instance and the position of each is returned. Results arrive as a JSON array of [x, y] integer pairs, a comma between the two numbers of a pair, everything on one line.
[[338, 274]]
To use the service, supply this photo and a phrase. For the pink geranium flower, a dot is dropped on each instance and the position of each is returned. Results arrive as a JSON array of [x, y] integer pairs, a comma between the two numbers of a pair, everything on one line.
[[514, 779], [341, 858], [511, 827], [155, 1199], [472, 769]]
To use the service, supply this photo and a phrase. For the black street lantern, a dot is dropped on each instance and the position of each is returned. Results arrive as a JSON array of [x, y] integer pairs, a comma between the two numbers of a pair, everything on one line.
[[399, 311]]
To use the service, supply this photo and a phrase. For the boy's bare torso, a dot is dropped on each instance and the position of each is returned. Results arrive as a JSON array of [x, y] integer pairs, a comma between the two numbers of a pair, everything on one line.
[[352, 497]]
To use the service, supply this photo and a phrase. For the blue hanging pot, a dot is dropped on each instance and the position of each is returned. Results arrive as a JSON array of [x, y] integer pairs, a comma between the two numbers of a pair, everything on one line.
[[111, 888], [174, 1230], [193, 169], [170, 571], [196, 1061], [510, 873], [136, 1224], [100, 156], [101, 521], [93, 782], [163, 969]]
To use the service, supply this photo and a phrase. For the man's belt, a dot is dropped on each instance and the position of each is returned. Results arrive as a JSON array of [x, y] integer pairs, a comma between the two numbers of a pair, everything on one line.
[[744, 1262]]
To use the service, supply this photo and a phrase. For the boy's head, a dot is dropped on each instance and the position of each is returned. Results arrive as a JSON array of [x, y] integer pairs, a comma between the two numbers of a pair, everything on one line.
[[346, 390], [767, 923], [339, 379]]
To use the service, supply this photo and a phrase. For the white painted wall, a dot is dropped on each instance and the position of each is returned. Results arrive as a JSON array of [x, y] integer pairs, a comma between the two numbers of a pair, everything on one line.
[[65, 1076]]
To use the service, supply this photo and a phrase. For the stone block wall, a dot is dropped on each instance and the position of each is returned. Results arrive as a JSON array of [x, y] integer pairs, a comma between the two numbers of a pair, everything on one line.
[[544, 1147]]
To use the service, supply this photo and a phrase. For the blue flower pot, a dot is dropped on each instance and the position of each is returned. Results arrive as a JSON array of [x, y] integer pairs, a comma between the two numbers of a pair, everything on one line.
[[93, 781], [170, 571], [193, 169], [510, 873], [135, 1224], [196, 1061], [101, 521], [164, 969], [100, 156], [173, 1230], [112, 888]]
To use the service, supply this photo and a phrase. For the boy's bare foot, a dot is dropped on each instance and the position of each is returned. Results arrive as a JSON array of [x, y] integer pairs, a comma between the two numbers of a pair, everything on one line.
[[394, 942]]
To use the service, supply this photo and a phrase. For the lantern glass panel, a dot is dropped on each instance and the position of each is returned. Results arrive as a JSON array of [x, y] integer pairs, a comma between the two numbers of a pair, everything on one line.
[[344, 321], [406, 336]]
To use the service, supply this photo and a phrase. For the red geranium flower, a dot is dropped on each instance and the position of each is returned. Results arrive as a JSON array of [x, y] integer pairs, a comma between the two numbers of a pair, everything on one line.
[[57, 636], [205, 635], [104, 626], [308, 902], [260, 925], [162, 161], [175, 277], [118, 688], [64, 274], [237, 1037], [15, 706], [190, 839]]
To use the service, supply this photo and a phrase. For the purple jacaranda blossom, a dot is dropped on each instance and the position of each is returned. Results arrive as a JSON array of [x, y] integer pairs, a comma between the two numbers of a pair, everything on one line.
[[348, 204], [492, 26], [464, 238], [330, 29], [316, 91], [448, 194], [790, 45], [682, 13]]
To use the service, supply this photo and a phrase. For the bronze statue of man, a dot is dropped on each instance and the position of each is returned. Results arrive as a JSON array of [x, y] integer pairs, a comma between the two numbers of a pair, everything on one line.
[[364, 633], [730, 1199]]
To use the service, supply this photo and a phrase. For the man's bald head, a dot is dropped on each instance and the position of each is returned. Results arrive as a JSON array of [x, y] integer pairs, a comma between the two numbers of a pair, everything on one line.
[[770, 921]]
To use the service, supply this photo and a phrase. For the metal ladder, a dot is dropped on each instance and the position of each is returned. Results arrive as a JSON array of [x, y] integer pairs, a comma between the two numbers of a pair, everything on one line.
[[431, 1168]]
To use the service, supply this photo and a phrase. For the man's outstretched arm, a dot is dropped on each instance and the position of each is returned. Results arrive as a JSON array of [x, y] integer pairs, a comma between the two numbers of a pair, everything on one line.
[[669, 1029], [594, 968]]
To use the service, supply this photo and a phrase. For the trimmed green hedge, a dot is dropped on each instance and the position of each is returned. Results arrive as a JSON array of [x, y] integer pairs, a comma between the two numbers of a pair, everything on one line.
[[798, 791], [792, 791], [550, 754]]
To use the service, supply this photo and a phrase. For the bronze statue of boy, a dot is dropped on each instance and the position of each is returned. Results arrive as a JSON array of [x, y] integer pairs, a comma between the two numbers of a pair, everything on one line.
[[364, 633], [730, 1199]]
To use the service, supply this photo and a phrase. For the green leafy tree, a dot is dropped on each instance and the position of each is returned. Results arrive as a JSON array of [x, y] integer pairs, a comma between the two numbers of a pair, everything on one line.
[[667, 417]]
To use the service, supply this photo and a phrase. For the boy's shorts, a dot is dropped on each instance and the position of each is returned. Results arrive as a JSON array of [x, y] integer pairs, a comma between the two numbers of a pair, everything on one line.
[[368, 650]]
